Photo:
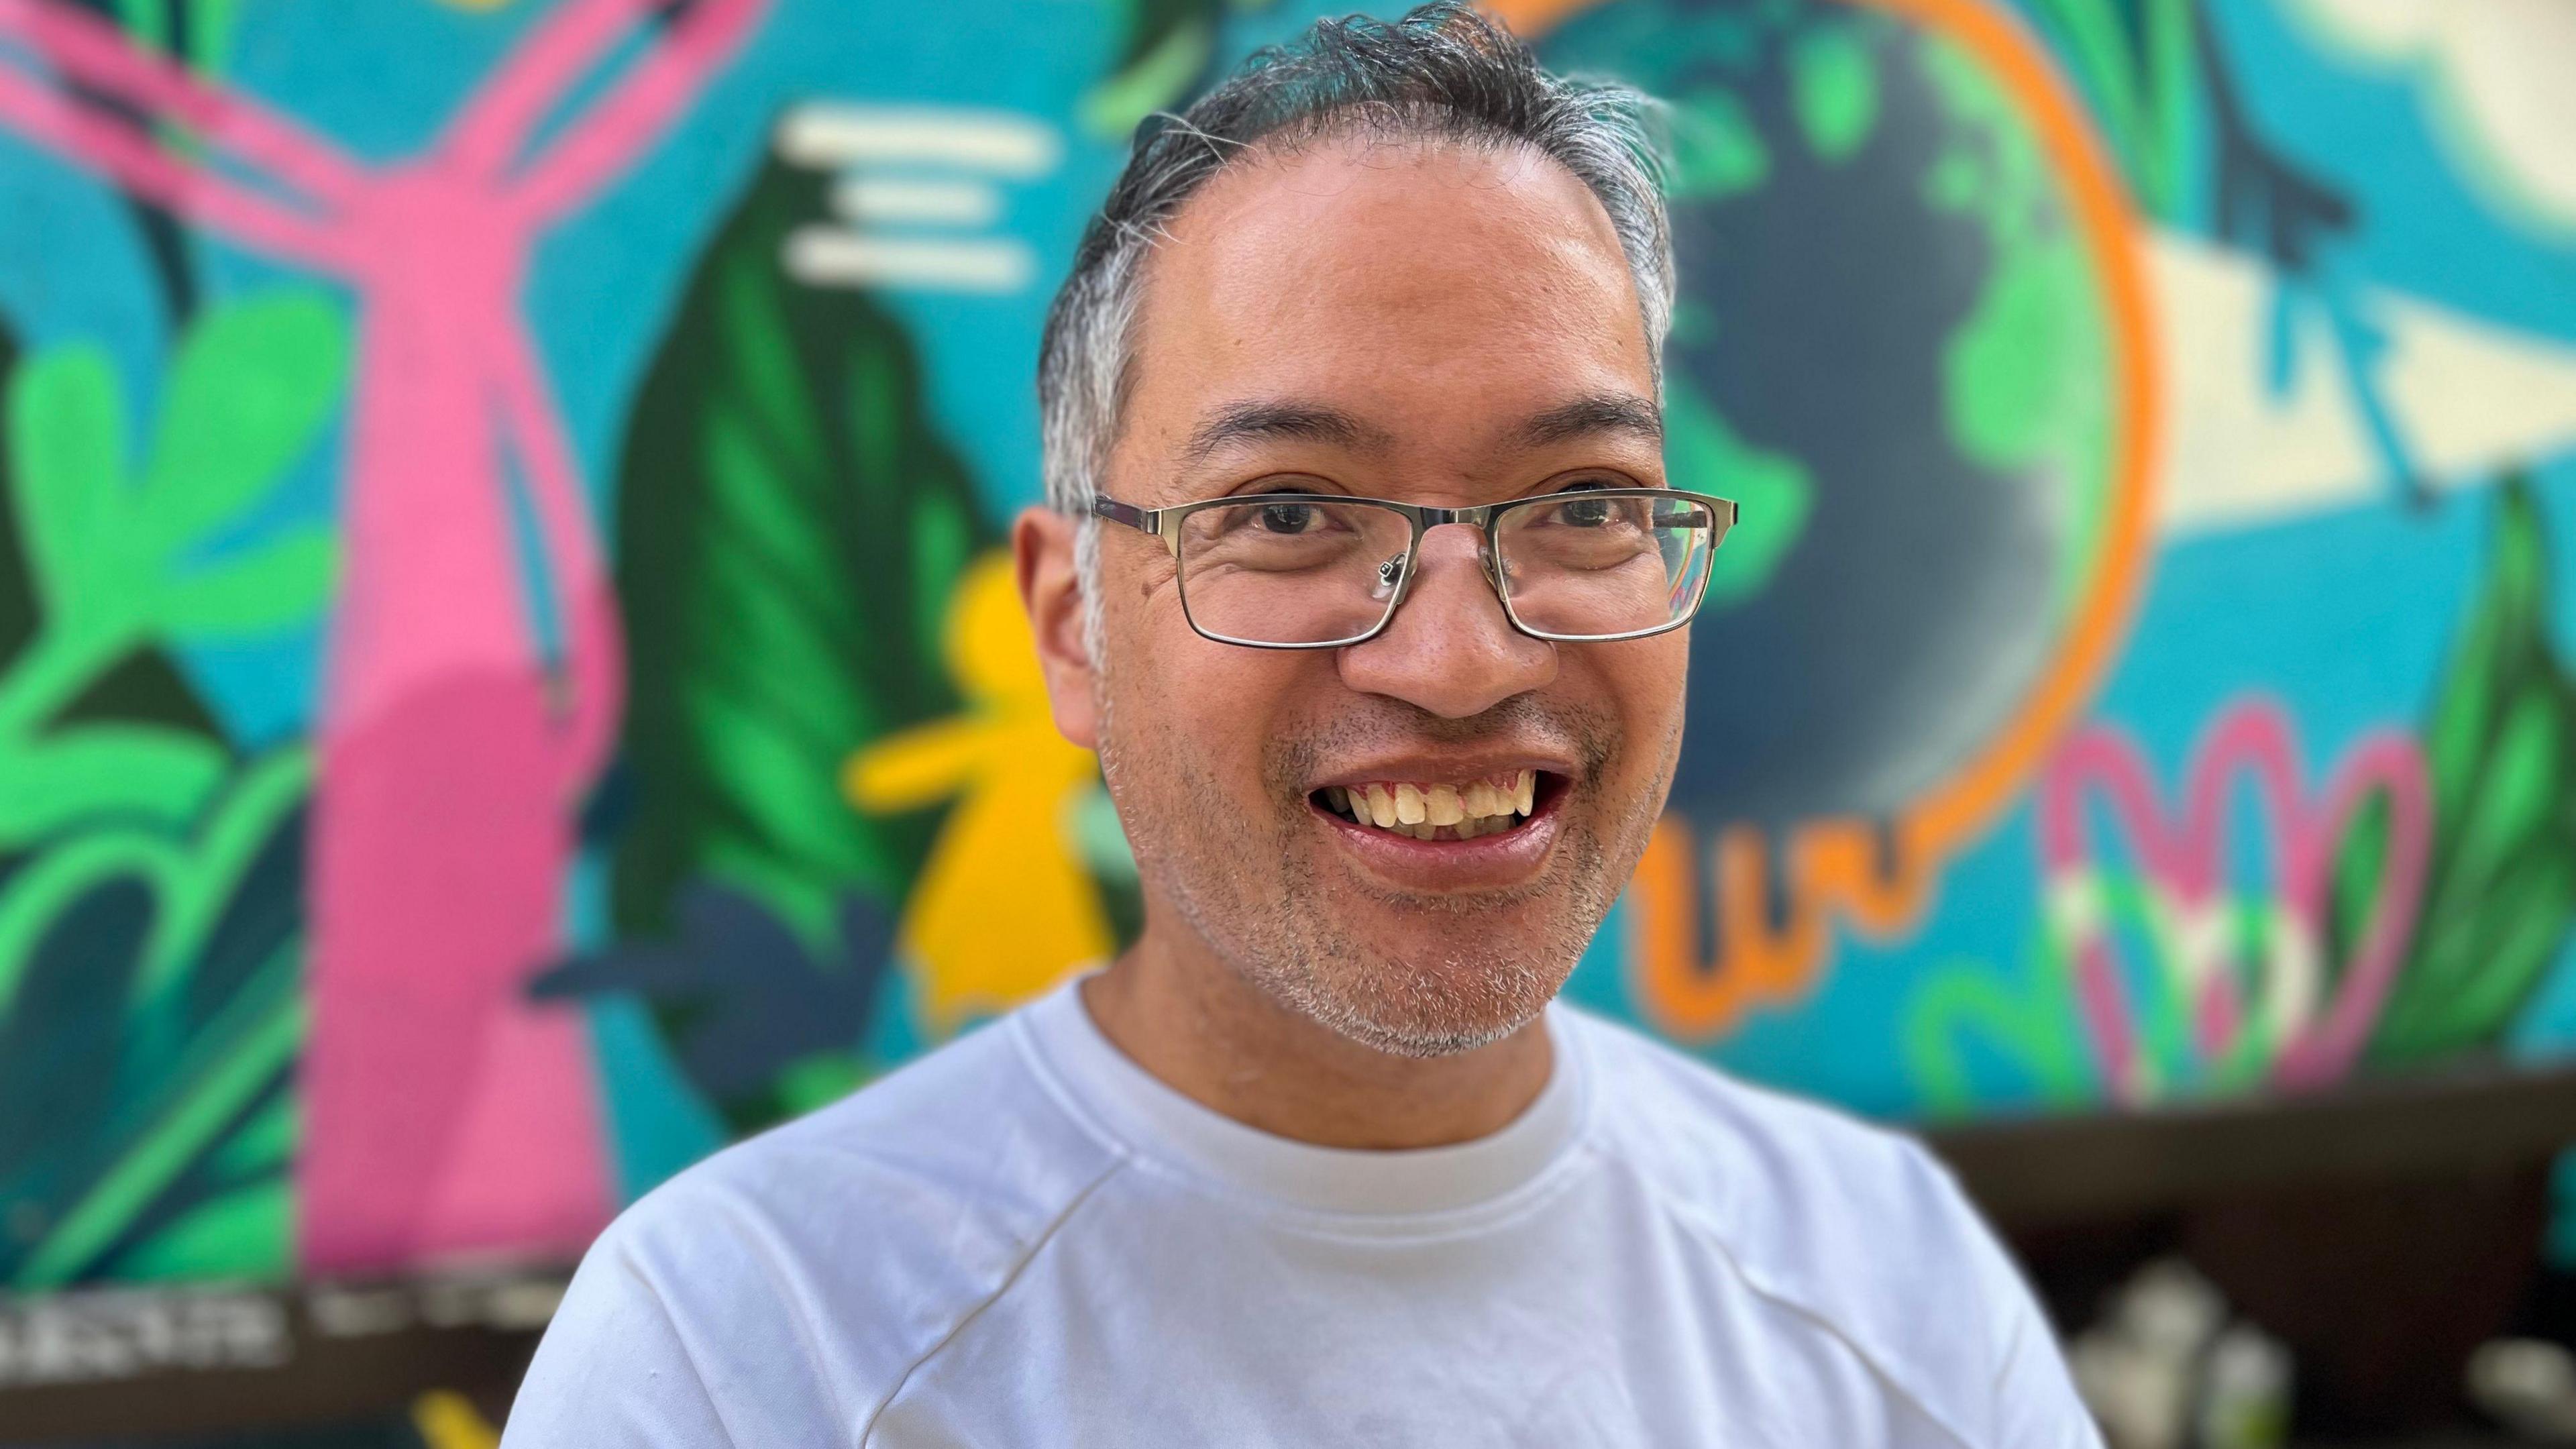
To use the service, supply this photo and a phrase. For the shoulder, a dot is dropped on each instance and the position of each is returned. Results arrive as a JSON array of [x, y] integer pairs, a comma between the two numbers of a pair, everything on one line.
[[814, 1265], [970, 1125], [1744, 1153], [1855, 1227]]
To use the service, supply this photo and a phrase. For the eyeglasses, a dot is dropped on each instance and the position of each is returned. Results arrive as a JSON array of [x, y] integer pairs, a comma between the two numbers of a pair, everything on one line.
[[1321, 571]]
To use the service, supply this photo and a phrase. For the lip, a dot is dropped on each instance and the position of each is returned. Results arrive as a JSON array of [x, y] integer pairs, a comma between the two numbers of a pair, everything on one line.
[[1488, 862]]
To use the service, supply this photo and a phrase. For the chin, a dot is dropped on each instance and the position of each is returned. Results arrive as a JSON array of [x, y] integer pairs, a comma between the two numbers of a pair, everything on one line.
[[1428, 1008]]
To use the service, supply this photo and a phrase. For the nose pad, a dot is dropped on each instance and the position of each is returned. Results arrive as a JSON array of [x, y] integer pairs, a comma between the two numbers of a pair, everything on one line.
[[1461, 658]]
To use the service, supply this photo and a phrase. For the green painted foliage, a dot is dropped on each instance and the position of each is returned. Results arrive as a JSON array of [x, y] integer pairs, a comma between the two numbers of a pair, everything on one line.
[[789, 528], [2027, 1023], [2500, 892], [149, 1015], [119, 554], [150, 881], [1166, 55], [2136, 65], [106, 564]]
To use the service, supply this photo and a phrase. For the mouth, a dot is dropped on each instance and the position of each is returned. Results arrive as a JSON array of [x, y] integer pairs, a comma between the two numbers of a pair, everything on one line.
[[1484, 832], [1440, 810]]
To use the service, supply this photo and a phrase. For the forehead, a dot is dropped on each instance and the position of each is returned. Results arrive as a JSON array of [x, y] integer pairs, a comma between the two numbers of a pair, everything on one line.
[[1420, 286]]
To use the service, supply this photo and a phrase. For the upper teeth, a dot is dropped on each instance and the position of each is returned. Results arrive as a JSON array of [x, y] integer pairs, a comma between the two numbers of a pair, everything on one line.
[[1442, 812]]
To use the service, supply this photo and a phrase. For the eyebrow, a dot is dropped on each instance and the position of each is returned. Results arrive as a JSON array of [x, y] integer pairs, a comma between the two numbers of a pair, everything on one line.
[[1253, 422], [1602, 412]]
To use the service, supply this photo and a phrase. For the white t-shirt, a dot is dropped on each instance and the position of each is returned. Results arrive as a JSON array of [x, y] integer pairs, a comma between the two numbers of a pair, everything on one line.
[[1025, 1239]]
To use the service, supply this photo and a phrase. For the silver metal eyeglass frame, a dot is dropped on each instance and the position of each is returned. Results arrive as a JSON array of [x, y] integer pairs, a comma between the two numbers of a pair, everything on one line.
[[1165, 524]]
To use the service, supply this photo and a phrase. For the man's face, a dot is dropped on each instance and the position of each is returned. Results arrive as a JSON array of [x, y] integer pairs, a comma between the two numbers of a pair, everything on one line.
[[1441, 325]]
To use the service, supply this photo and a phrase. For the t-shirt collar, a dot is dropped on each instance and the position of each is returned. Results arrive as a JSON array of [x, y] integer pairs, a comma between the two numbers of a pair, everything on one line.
[[1155, 1120]]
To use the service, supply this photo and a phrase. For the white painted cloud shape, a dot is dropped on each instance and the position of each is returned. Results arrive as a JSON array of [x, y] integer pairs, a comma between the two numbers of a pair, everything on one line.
[[2497, 75]]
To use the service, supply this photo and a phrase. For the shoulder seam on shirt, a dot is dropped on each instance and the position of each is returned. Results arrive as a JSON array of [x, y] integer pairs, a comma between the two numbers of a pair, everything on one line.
[[1019, 1265], [2011, 1352], [1695, 1221]]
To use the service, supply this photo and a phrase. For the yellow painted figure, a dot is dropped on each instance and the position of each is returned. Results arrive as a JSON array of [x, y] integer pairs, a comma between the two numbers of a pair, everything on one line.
[[1004, 907]]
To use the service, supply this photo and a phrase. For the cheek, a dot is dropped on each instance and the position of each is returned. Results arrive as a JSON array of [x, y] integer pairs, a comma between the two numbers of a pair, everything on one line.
[[1199, 714], [1669, 685], [1645, 684]]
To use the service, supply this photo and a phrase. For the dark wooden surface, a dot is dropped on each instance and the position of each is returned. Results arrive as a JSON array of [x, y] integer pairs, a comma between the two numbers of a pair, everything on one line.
[[2044, 1172]]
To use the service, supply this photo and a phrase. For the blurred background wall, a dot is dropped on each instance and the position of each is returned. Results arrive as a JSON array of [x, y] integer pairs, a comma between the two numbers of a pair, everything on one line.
[[507, 679]]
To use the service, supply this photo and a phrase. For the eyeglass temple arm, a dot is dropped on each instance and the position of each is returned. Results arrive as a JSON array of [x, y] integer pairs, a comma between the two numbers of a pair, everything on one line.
[[1143, 520]]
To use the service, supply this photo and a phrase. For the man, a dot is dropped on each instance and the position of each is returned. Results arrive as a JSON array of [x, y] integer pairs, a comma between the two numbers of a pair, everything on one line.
[[1317, 1162]]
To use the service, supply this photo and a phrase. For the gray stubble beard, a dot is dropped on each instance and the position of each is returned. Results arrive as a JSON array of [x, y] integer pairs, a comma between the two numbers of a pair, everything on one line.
[[1292, 953]]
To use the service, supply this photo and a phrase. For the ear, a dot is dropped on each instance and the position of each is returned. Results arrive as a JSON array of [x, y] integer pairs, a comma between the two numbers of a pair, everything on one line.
[[1051, 590]]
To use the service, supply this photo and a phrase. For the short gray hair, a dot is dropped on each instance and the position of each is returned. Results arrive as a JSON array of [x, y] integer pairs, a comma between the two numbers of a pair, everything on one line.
[[1443, 72]]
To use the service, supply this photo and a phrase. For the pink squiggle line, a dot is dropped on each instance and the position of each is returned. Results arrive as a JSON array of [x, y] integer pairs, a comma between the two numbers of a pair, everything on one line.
[[649, 98], [87, 45], [136, 161], [2393, 764], [562, 47], [2114, 762], [2188, 864]]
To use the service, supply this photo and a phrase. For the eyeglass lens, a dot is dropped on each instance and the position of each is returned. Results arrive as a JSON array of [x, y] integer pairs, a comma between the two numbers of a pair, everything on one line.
[[1273, 572]]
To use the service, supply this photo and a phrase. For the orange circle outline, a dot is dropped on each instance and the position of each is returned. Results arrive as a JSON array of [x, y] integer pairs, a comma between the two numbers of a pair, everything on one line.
[[1831, 859], [1949, 812]]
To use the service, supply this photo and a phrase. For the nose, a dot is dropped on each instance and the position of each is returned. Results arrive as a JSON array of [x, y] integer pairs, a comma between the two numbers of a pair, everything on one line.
[[1449, 650]]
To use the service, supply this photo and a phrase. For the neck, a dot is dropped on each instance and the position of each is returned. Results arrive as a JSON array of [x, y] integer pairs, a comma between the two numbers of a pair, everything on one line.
[[1180, 1012]]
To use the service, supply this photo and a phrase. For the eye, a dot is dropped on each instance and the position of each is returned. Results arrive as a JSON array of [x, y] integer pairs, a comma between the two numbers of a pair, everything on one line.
[[1584, 512], [1576, 511], [1288, 519]]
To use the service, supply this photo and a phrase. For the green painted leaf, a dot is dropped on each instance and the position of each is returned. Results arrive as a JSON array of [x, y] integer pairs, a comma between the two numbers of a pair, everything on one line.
[[263, 1146], [790, 524], [59, 1050], [144, 771], [19, 607], [2500, 894], [248, 392], [278, 584], [2499, 639], [1168, 54], [149, 1000], [141, 687], [2517, 788], [819, 1080], [2479, 966], [67, 458], [245, 1235], [2360, 856]]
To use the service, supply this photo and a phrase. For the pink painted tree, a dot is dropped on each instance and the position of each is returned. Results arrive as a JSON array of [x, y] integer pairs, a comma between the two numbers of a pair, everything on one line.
[[443, 1113]]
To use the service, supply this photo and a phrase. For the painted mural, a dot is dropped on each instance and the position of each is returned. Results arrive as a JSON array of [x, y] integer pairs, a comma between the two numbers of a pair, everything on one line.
[[507, 680]]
